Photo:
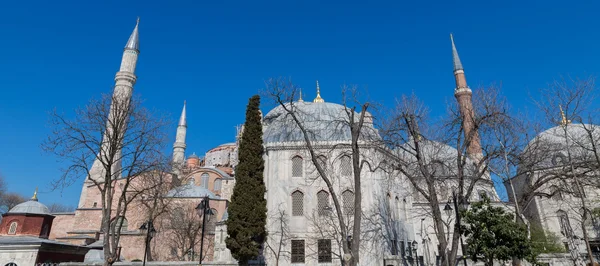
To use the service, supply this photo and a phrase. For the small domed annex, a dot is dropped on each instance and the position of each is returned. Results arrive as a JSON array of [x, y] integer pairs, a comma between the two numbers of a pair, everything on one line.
[[31, 206]]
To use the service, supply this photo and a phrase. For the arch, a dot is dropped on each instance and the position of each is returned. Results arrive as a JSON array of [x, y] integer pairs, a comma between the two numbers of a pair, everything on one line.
[[399, 209], [345, 166], [482, 194], [565, 225], [192, 181], [348, 202], [217, 185], [122, 222], [297, 166], [556, 193], [443, 192], [389, 206], [322, 203], [204, 177], [12, 229], [297, 203], [11, 264]]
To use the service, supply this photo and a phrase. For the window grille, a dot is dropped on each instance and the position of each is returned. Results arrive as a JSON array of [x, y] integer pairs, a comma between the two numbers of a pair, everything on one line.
[[348, 201], [324, 247], [204, 180], [346, 166], [297, 166], [13, 228], [322, 202], [297, 251], [297, 203], [217, 185]]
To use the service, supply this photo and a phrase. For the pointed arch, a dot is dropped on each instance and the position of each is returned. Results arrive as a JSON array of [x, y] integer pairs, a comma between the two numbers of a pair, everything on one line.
[[12, 229], [217, 185], [297, 166], [204, 177], [322, 203], [348, 202], [297, 203], [345, 166]]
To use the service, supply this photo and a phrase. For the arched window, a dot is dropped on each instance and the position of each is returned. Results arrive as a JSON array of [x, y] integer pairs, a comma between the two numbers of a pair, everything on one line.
[[11, 264], [390, 207], [482, 194], [192, 182], [12, 229], [443, 192], [345, 166], [323, 203], [297, 203], [123, 225], [565, 226], [556, 193], [297, 166], [348, 202], [204, 178], [438, 169], [217, 185], [399, 210]]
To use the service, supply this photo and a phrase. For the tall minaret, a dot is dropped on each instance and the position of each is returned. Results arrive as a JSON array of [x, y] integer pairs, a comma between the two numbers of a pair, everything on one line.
[[179, 146], [124, 81], [463, 94]]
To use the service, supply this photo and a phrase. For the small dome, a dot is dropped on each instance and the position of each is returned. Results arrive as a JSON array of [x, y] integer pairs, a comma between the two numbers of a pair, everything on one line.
[[31, 206], [324, 121], [193, 156]]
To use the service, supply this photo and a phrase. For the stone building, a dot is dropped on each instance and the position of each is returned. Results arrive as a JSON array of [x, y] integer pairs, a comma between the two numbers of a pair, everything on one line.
[[24, 232]]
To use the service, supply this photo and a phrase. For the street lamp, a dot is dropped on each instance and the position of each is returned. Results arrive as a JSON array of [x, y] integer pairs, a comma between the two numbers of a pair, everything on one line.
[[205, 213], [147, 227]]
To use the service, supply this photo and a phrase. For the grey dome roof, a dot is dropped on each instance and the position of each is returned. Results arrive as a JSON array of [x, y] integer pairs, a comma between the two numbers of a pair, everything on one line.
[[324, 121], [31, 206], [549, 148], [191, 191], [193, 155]]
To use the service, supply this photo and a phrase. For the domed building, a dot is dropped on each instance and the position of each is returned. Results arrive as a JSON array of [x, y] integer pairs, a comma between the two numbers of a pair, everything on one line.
[[554, 202], [24, 232]]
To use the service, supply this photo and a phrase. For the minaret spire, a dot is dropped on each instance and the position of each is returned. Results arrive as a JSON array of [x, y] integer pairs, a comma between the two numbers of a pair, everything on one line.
[[179, 145], [123, 89], [300, 98], [318, 99], [463, 94]]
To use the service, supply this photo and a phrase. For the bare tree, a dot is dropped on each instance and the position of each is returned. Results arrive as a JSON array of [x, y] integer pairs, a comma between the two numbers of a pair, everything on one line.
[[110, 142], [454, 152], [182, 234], [11, 199], [280, 236], [58, 207], [283, 92]]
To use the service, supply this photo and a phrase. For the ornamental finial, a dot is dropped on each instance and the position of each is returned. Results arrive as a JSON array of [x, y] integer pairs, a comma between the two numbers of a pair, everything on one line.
[[300, 98], [318, 99], [563, 118], [35, 198]]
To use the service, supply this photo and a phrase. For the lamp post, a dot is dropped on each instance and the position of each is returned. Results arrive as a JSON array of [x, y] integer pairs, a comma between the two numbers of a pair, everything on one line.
[[148, 227], [205, 213]]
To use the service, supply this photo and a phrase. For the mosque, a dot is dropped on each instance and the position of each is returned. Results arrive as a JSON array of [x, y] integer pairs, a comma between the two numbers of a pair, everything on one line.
[[294, 192]]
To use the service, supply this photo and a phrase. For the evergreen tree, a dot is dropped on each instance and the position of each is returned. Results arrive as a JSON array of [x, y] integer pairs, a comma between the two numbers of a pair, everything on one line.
[[492, 234], [248, 208]]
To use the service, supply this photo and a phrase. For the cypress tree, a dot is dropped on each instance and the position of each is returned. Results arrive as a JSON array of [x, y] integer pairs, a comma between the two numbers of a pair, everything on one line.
[[248, 208]]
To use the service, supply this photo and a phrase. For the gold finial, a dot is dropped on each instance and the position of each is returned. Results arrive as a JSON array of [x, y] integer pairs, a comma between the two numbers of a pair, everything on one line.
[[300, 98], [318, 99], [34, 198], [563, 118]]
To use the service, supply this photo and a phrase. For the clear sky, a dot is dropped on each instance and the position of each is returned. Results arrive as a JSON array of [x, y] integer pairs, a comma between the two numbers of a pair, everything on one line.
[[216, 54]]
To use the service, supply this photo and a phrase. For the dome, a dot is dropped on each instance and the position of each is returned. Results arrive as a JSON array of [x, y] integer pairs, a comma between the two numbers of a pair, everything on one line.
[[191, 191], [549, 148], [324, 121], [31, 206], [193, 156]]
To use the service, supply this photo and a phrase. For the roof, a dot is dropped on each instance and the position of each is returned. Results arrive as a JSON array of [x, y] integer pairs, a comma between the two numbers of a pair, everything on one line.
[[324, 121], [32, 206], [191, 191], [24, 240], [134, 39]]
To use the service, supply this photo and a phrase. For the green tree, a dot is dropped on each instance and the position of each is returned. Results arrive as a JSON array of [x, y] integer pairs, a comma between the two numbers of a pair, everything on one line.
[[492, 234], [545, 242], [248, 208]]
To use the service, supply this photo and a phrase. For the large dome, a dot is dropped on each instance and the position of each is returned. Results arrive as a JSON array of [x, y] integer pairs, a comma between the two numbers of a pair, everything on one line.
[[550, 147], [31, 206], [324, 122]]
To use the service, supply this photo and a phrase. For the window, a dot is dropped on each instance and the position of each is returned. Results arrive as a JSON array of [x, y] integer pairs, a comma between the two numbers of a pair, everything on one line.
[[324, 247], [297, 203], [348, 201], [297, 251], [95, 204], [121, 224], [346, 166], [11, 264], [297, 166], [443, 191], [322, 203], [12, 229], [217, 185], [204, 178], [192, 181], [565, 226], [482, 194]]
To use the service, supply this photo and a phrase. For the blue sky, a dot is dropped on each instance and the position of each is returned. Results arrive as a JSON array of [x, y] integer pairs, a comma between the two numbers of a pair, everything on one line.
[[216, 54]]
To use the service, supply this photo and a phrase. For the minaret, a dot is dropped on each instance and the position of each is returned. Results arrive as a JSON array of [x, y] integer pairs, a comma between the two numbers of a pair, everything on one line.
[[179, 146], [463, 94], [318, 99], [300, 98], [124, 81]]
